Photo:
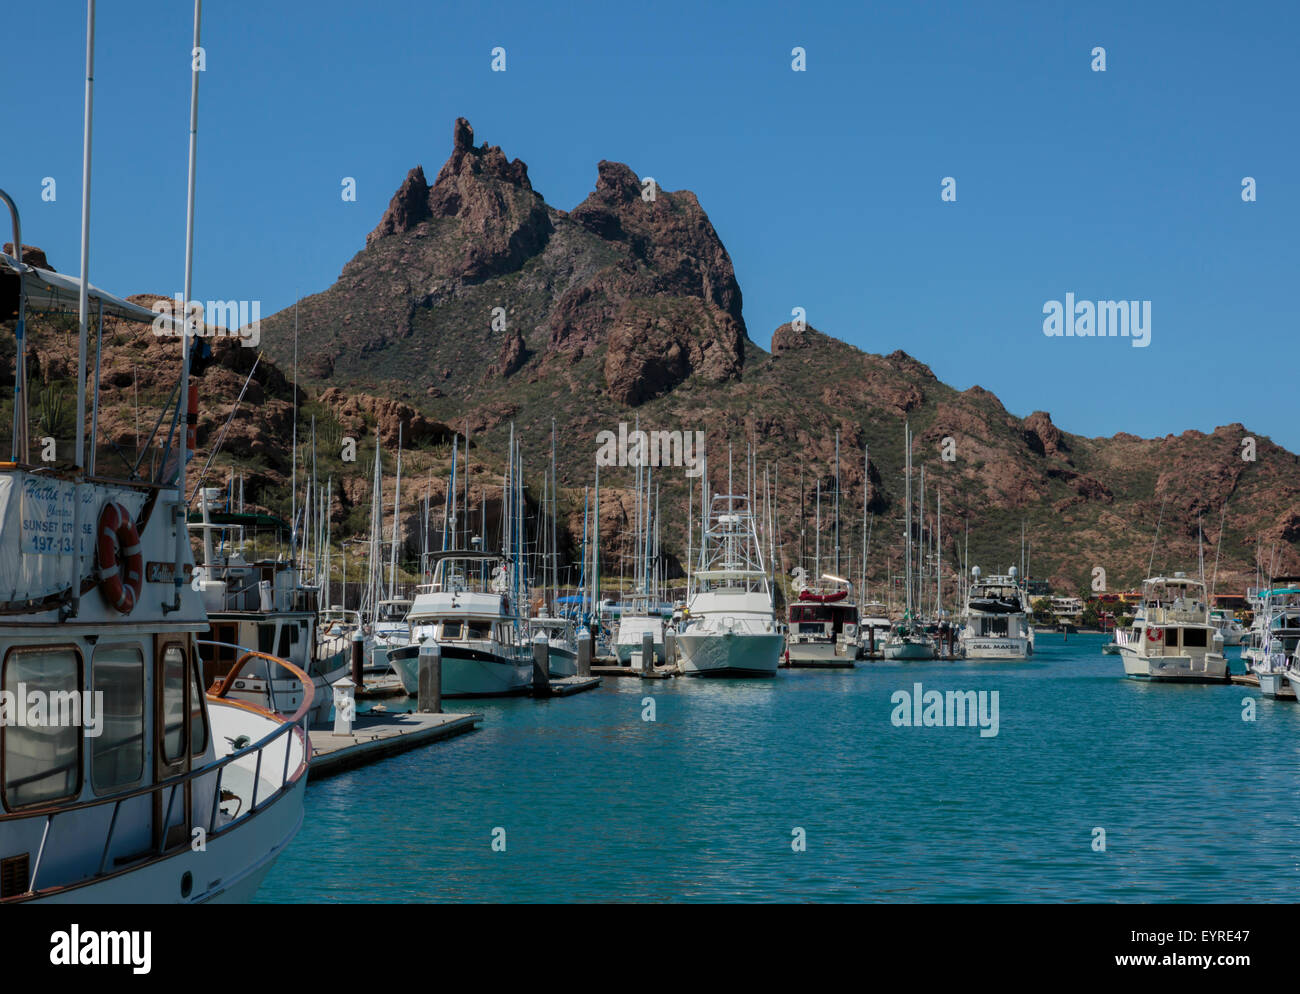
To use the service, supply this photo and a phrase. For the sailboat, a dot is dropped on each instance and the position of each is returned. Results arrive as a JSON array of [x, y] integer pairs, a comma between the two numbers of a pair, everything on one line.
[[909, 640], [95, 575], [730, 626], [640, 613], [559, 630]]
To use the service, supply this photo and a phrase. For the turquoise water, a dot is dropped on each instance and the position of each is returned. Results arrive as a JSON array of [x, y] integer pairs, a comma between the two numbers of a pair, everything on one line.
[[700, 805]]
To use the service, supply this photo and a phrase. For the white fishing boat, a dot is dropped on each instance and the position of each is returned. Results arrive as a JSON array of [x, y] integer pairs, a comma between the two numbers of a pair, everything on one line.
[[996, 622], [252, 590], [105, 789], [1172, 640], [468, 612], [730, 624]]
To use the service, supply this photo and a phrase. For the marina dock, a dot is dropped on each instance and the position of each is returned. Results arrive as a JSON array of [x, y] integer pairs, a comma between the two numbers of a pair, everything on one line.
[[658, 673], [567, 686], [375, 736]]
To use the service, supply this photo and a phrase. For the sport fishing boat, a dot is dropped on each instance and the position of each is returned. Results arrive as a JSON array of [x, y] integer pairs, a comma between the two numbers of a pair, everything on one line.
[[730, 624], [1172, 639], [1279, 608], [104, 793], [466, 610], [996, 622], [823, 624], [873, 630], [252, 590]]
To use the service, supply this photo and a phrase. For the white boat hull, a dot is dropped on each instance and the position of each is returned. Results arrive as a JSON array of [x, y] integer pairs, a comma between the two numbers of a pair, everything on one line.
[[1210, 668], [562, 662], [908, 651], [997, 647], [1275, 684], [729, 653], [473, 674]]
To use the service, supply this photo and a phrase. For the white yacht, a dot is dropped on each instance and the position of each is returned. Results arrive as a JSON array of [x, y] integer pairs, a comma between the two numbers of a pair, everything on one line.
[[1172, 640], [996, 622], [730, 624], [466, 609], [253, 595], [103, 800], [823, 624]]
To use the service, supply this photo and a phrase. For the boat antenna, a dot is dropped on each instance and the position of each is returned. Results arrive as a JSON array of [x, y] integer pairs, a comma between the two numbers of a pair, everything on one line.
[[1151, 562]]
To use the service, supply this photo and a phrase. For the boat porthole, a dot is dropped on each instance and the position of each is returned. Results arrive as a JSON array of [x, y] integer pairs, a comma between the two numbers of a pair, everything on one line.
[[187, 883], [239, 684]]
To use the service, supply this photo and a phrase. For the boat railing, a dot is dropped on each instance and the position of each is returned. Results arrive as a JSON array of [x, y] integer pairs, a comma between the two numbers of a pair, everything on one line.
[[288, 727]]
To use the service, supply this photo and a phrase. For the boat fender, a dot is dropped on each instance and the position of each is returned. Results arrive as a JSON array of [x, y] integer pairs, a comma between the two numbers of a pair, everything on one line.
[[121, 566]]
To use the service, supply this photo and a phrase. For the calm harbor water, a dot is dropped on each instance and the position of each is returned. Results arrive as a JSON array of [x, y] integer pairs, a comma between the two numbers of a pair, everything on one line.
[[700, 805]]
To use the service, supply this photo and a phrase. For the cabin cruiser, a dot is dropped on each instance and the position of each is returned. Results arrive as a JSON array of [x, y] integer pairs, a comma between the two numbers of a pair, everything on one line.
[[996, 623], [1172, 639], [823, 624], [254, 596], [730, 626], [106, 789], [467, 612]]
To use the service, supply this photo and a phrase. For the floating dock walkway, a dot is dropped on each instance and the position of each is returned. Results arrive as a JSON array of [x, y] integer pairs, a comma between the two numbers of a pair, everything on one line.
[[375, 736]]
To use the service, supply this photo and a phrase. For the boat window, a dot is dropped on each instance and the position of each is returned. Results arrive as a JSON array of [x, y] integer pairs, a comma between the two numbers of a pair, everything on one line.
[[1196, 637], [42, 761], [266, 638], [451, 629], [173, 703], [474, 631], [198, 717], [288, 636], [117, 753]]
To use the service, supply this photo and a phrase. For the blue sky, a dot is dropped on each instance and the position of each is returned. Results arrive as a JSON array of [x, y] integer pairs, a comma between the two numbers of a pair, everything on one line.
[[824, 185]]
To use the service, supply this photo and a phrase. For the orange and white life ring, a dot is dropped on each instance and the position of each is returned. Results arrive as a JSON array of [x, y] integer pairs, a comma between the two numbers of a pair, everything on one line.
[[121, 566], [1154, 634]]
